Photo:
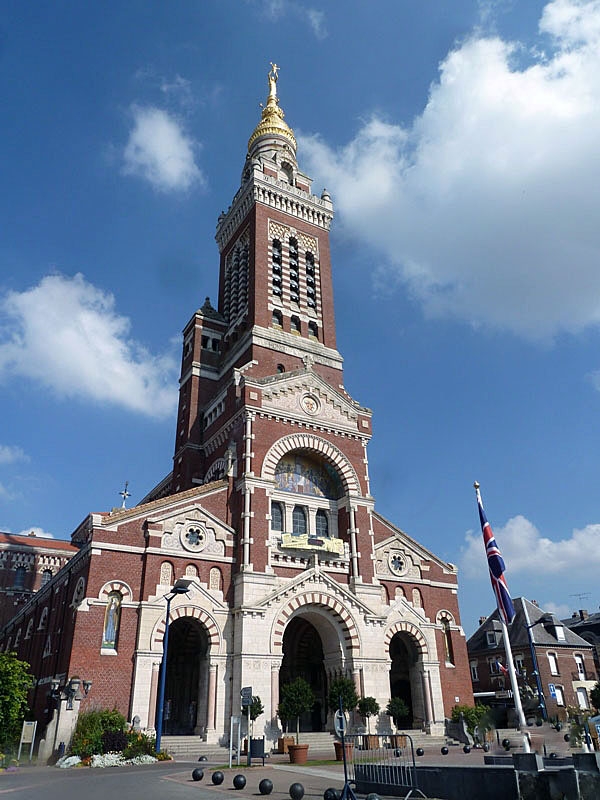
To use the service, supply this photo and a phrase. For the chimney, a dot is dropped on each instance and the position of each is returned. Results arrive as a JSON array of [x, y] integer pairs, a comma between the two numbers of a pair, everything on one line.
[[583, 614], [482, 620], [535, 603]]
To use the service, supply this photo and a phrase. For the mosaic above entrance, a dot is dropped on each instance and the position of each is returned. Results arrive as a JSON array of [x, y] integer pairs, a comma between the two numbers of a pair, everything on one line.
[[304, 475]]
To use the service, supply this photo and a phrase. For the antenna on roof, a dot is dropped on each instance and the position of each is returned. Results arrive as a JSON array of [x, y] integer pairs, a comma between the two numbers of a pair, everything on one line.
[[581, 596], [125, 494]]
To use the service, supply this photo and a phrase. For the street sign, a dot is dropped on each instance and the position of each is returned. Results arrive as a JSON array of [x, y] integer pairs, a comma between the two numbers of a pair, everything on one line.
[[246, 695], [552, 690], [339, 723]]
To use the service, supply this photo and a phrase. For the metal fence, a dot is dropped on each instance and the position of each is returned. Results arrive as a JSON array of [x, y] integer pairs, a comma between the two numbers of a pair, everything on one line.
[[377, 763]]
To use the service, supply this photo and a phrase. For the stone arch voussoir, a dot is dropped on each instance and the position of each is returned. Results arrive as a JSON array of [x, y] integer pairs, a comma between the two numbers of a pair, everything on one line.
[[212, 629], [413, 633], [334, 606], [315, 444]]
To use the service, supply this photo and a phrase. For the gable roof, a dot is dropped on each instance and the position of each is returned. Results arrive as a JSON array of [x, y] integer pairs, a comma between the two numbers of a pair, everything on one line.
[[526, 613]]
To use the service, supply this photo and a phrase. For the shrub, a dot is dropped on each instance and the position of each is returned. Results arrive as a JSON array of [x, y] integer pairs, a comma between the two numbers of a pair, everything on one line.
[[475, 716], [91, 727], [139, 744]]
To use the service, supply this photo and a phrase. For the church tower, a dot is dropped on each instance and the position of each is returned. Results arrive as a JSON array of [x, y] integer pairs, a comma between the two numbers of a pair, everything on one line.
[[267, 514]]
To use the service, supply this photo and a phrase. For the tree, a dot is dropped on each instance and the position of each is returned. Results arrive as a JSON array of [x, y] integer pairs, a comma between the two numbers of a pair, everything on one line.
[[595, 696], [296, 698], [15, 683], [475, 716], [397, 710], [344, 688], [368, 707], [256, 709]]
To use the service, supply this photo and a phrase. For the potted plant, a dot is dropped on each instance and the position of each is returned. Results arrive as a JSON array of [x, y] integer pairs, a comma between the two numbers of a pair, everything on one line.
[[369, 707], [342, 688], [398, 711], [296, 698]]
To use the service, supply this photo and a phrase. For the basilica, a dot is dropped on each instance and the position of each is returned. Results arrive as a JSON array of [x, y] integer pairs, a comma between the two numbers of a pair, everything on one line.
[[268, 513]]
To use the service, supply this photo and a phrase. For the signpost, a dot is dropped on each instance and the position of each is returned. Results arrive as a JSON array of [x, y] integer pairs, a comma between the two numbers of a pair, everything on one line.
[[246, 694], [27, 737]]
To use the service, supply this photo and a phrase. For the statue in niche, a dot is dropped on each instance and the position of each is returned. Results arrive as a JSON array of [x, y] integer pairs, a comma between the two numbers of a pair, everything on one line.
[[111, 620]]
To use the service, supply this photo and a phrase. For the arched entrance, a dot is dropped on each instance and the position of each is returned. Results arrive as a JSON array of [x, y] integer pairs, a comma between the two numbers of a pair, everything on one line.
[[403, 677], [186, 678], [303, 658]]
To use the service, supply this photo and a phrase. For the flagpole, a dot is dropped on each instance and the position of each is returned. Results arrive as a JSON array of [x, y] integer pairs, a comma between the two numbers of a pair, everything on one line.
[[515, 688], [506, 611]]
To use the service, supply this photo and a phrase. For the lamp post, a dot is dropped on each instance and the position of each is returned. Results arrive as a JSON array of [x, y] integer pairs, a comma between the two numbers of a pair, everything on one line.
[[536, 671], [181, 586]]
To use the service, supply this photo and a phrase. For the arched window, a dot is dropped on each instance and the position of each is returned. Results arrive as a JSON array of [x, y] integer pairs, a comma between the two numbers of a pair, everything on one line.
[[295, 324], [417, 598], [20, 573], [46, 576], [191, 571], [299, 521], [276, 517], [313, 331], [280, 369], [43, 619], [277, 318], [112, 617], [276, 268], [448, 649], [322, 524]]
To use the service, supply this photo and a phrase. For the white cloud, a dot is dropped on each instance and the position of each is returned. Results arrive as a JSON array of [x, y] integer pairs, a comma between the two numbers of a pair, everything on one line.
[[486, 205], [160, 151], [525, 551], [10, 454], [275, 9], [65, 334]]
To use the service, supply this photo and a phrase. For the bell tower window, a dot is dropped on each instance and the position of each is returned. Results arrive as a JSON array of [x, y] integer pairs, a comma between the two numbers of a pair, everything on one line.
[[313, 331], [294, 271], [277, 318], [311, 301], [295, 325], [276, 267]]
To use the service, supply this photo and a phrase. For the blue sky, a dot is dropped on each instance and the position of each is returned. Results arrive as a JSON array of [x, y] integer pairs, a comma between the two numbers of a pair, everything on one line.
[[459, 144]]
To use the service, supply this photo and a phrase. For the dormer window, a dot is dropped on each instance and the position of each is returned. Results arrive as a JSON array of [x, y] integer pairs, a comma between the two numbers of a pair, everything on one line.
[[491, 638]]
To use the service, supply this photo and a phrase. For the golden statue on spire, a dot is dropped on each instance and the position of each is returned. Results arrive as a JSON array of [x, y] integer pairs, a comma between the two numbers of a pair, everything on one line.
[[272, 122], [272, 77]]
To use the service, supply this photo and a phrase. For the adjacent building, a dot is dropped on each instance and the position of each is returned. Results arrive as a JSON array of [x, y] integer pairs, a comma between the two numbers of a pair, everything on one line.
[[564, 660], [268, 512]]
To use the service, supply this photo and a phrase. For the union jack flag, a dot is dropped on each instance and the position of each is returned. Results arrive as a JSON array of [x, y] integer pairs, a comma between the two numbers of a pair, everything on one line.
[[496, 566]]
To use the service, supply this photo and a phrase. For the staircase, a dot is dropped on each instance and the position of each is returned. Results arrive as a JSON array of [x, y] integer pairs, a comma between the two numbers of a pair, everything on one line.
[[190, 748]]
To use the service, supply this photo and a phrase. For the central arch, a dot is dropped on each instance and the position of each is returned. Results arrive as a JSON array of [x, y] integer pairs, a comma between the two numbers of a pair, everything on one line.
[[186, 676]]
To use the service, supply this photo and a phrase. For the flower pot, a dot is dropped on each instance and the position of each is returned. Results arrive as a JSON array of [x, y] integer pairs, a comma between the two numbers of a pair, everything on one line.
[[298, 753], [370, 741], [339, 755], [283, 743]]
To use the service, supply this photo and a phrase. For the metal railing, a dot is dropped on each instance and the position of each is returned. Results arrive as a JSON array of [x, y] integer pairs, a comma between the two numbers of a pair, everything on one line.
[[380, 761]]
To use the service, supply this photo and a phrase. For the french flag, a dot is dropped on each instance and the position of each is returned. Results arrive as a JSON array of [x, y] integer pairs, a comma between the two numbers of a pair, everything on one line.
[[496, 566]]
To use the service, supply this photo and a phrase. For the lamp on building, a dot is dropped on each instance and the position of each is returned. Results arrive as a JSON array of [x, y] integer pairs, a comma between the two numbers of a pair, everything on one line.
[[181, 586], [545, 619]]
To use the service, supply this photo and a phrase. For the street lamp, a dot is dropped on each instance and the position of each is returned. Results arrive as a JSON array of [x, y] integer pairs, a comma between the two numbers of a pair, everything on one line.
[[181, 586], [543, 620]]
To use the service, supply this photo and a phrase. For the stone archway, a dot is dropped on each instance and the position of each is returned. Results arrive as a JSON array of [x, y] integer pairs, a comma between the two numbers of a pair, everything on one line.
[[407, 648], [186, 677], [317, 638]]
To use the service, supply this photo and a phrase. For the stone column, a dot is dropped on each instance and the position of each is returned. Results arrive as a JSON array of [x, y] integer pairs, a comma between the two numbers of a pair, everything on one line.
[[274, 694], [153, 691], [353, 551], [427, 696], [212, 698]]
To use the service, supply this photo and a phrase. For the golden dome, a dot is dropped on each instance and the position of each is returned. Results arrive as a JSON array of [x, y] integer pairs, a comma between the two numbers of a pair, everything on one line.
[[271, 121]]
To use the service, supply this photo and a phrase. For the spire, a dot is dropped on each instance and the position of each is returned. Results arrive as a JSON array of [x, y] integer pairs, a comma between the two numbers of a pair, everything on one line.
[[272, 123]]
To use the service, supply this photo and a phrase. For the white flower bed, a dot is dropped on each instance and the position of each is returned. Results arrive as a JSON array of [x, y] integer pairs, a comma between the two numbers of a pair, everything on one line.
[[106, 760]]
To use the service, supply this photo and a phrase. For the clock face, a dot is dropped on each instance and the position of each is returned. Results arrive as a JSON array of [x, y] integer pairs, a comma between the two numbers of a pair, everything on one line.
[[194, 537]]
